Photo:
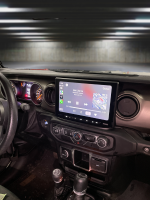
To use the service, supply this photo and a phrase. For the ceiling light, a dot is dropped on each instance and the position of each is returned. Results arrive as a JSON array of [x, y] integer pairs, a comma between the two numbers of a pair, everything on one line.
[[4, 9], [38, 40], [7, 9], [28, 33], [132, 28], [142, 20], [116, 37], [22, 28], [16, 21], [125, 33], [33, 37], [129, 21]]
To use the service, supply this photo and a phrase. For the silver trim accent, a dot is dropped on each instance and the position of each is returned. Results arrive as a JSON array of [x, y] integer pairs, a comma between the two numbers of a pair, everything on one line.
[[59, 180], [133, 95], [79, 193]]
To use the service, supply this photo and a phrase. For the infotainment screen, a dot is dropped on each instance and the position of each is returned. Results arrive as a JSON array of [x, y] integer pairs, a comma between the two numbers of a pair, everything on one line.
[[86, 100]]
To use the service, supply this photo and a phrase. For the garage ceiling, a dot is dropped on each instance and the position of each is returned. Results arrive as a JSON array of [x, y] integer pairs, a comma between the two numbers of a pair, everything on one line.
[[74, 20]]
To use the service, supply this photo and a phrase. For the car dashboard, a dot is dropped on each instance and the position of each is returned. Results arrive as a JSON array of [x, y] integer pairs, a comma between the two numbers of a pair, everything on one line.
[[132, 106], [83, 143]]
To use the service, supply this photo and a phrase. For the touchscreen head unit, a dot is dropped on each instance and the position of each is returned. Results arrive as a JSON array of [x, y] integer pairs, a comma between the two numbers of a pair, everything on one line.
[[91, 102]]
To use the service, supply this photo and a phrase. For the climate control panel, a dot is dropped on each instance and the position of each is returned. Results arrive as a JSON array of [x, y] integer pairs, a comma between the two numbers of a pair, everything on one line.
[[82, 138]]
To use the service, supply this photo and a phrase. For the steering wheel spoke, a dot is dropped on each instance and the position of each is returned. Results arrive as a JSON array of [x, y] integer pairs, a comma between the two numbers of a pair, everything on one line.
[[2, 135], [8, 116]]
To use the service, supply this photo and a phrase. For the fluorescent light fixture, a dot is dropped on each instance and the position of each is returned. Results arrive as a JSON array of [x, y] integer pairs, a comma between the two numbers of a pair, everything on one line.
[[128, 21], [139, 9], [125, 33], [142, 20], [122, 33], [116, 37], [16, 21], [39, 40], [131, 28], [4, 9], [9, 10], [22, 28], [33, 37], [28, 33]]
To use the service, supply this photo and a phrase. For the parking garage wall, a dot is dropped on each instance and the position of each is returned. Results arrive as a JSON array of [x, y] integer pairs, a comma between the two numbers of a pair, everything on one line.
[[92, 51]]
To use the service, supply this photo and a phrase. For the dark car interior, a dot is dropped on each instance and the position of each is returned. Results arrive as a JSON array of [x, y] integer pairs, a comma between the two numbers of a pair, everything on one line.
[[74, 100]]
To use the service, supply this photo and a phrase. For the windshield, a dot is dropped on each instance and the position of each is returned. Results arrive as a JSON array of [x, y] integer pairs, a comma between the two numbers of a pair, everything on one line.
[[102, 37]]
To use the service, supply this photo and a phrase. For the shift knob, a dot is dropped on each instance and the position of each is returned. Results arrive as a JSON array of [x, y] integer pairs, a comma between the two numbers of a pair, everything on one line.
[[80, 184], [57, 176]]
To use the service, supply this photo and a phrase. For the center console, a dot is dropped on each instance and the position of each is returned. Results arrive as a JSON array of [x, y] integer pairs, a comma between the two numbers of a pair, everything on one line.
[[83, 131], [83, 159]]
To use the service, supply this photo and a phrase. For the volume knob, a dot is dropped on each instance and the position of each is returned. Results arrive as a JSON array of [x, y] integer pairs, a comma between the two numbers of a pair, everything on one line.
[[102, 142]]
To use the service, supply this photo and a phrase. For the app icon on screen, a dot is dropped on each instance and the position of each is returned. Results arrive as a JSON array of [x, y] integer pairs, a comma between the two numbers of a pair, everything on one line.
[[61, 92], [61, 101], [61, 96]]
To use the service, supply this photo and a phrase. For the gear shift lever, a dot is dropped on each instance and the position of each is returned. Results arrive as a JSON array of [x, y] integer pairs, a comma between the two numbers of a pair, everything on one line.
[[57, 176], [79, 188], [80, 184]]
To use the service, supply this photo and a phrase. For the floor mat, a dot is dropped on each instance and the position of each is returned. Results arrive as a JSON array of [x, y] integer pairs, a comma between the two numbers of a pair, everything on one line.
[[36, 183], [136, 191]]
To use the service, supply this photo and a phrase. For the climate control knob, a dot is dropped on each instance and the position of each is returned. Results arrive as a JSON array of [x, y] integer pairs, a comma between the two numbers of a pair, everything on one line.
[[102, 142], [77, 136]]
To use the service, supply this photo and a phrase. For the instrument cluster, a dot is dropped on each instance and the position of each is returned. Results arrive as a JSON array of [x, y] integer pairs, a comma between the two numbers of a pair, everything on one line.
[[26, 91]]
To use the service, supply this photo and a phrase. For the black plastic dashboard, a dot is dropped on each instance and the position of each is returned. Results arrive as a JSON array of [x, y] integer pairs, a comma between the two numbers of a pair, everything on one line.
[[131, 87], [84, 146]]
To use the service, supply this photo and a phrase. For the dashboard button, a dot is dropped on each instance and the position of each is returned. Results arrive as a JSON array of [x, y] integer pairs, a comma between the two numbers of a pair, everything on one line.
[[97, 123], [98, 165], [67, 132], [56, 130], [89, 138]]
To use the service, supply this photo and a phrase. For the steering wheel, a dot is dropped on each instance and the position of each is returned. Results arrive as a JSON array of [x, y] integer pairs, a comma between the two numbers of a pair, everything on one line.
[[8, 115]]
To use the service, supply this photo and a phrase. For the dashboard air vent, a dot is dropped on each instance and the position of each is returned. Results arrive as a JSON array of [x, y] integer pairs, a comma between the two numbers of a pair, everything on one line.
[[128, 105], [49, 94]]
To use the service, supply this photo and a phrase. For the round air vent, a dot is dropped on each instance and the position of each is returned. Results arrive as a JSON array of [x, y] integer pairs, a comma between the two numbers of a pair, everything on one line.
[[128, 105], [49, 94]]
